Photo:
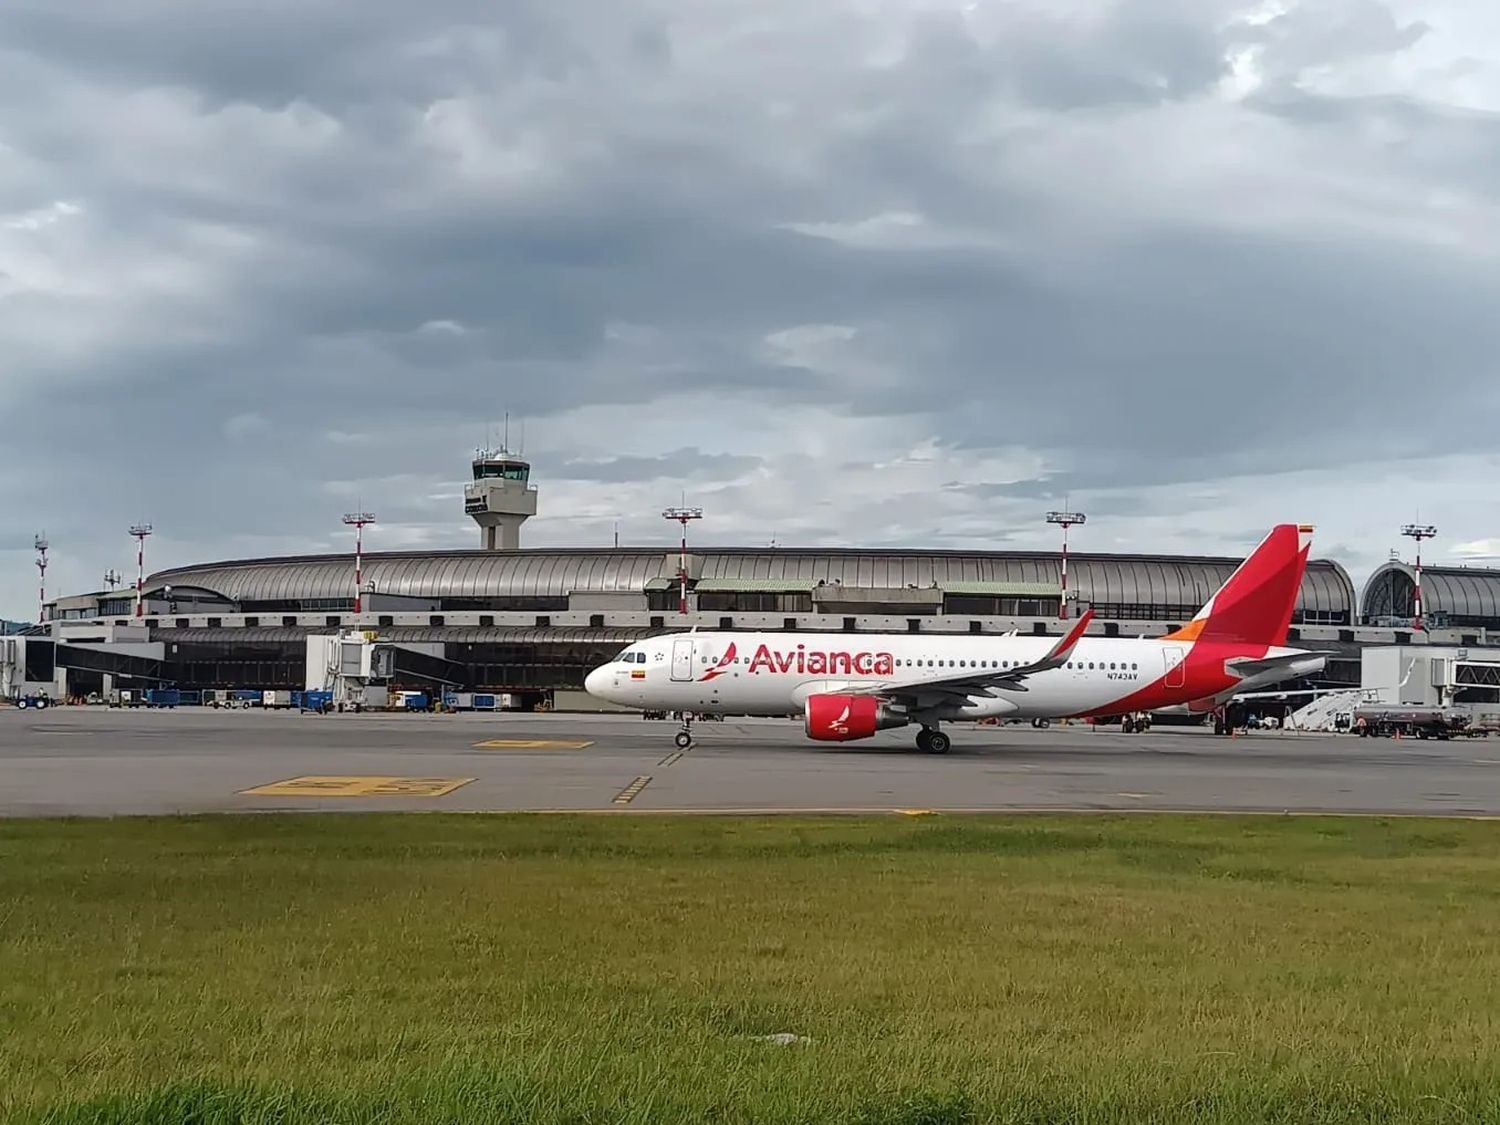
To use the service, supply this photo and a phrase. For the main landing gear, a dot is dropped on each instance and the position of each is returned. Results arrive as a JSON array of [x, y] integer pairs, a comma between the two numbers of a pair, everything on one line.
[[930, 740]]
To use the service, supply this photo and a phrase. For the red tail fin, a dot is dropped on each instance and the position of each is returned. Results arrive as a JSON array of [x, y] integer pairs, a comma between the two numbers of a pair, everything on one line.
[[1255, 606]]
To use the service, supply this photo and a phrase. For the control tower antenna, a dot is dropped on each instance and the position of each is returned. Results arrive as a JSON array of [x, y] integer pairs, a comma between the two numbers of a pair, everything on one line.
[[1419, 532], [1065, 520], [359, 521], [42, 546], [683, 515], [501, 497], [139, 533], [111, 578]]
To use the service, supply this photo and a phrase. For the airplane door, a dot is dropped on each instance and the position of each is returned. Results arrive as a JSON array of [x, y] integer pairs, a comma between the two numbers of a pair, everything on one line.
[[682, 659], [1176, 671]]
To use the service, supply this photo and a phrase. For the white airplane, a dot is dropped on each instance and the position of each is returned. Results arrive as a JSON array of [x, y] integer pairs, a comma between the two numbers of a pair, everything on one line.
[[850, 685]]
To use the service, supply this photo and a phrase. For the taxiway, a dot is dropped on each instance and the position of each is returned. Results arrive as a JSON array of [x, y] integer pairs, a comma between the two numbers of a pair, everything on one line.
[[93, 762]]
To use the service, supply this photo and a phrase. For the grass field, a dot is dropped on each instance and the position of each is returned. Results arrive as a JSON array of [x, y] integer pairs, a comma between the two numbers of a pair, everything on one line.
[[317, 969]]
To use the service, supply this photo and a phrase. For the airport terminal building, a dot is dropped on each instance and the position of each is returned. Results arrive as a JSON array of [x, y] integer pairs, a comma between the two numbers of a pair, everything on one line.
[[532, 622]]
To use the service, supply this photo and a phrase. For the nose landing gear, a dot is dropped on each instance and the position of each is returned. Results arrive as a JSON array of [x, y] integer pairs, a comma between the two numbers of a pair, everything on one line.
[[684, 737]]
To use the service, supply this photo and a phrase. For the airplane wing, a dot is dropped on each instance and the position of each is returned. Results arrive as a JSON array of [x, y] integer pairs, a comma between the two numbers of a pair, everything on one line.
[[984, 680]]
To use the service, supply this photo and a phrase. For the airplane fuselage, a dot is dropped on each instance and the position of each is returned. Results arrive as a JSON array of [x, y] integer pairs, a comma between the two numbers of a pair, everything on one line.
[[745, 673]]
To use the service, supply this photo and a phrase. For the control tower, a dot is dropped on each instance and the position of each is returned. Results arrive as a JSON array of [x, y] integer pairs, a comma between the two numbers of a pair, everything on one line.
[[501, 498]]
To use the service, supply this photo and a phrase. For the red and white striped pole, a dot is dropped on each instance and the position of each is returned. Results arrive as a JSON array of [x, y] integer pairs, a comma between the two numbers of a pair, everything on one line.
[[140, 531], [359, 521], [1065, 520], [41, 564], [1418, 532], [683, 515]]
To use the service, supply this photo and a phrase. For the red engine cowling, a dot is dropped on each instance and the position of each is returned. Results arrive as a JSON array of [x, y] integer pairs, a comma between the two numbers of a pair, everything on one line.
[[843, 718]]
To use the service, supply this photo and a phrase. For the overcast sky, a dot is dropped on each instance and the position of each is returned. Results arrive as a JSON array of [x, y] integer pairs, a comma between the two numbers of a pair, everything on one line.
[[866, 272]]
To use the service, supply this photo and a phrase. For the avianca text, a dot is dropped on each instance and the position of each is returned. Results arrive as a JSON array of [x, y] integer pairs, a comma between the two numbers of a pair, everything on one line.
[[815, 663]]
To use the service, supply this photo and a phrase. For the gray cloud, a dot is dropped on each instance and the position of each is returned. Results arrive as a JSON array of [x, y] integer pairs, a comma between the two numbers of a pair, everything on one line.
[[677, 465], [845, 275]]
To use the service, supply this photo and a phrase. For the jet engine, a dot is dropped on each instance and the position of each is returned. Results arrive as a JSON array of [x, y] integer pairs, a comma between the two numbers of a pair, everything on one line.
[[842, 718]]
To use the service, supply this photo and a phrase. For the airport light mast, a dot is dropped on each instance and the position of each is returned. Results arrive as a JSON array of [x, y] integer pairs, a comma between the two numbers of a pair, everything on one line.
[[139, 533], [1418, 532], [42, 547], [359, 521], [1065, 520], [683, 515]]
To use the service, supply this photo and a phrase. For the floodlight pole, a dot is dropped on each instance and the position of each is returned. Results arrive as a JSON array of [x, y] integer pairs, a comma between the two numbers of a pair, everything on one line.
[[683, 515], [139, 533], [359, 521], [1418, 532], [1065, 520], [42, 547]]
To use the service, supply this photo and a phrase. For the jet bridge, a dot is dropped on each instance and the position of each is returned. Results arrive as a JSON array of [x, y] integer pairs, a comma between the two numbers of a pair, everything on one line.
[[403, 665], [109, 660]]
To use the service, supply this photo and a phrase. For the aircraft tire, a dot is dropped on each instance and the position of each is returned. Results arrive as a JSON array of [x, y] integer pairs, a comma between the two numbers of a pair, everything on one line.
[[938, 742], [683, 740]]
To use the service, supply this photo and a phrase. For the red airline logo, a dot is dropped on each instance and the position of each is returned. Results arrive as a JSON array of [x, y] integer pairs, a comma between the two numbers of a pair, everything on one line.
[[722, 666]]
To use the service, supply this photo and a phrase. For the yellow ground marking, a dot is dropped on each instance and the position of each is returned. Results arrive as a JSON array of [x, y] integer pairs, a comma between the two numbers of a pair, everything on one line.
[[916, 812], [360, 787], [628, 794], [530, 744]]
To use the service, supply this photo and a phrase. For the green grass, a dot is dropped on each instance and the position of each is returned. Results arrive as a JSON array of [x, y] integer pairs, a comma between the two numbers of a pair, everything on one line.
[[316, 969]]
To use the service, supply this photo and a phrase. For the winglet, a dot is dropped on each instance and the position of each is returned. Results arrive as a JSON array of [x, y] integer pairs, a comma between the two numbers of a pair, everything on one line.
[[1063, 649]]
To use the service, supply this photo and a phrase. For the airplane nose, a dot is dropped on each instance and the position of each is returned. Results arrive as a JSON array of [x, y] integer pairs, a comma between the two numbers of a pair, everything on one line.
[[596, 681]]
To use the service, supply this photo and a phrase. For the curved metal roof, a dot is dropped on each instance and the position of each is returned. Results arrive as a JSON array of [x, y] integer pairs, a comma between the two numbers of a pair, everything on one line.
[[1461, 591], [1100, 578], [458, 634]]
